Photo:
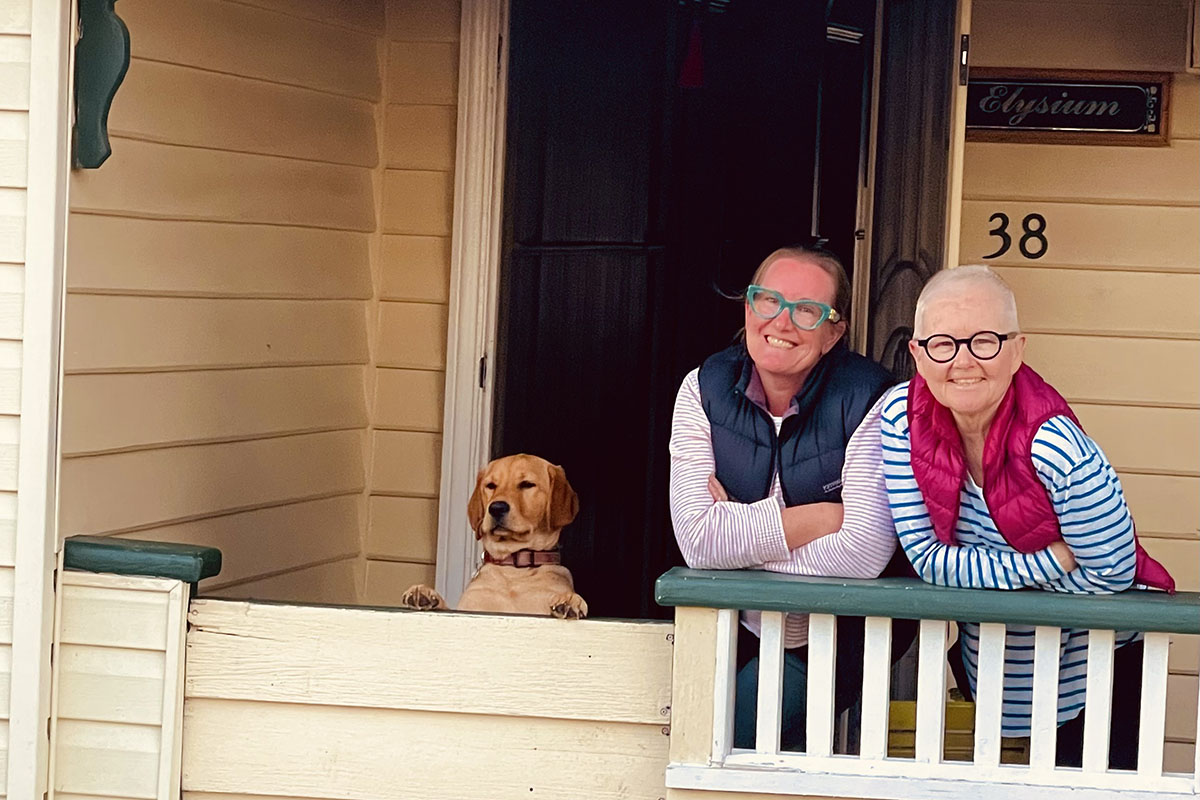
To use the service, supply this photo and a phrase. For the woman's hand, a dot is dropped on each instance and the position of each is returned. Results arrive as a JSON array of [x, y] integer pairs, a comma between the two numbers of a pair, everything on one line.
[[1063, 554], [803, 524], [719, 495]]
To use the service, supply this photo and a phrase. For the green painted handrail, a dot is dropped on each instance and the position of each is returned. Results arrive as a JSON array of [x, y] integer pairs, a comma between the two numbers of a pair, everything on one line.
[[911, 598], [187, 563]]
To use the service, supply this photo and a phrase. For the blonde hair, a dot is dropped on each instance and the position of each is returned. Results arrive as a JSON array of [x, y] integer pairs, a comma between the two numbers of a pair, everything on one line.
[[949, 280], [822, 258]]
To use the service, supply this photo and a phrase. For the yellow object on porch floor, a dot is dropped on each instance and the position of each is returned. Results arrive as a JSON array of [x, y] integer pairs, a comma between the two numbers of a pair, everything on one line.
[[960, 733]]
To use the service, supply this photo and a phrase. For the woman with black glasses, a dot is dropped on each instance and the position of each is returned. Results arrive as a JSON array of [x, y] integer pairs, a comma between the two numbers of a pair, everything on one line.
[[993, 484], [759, 438]]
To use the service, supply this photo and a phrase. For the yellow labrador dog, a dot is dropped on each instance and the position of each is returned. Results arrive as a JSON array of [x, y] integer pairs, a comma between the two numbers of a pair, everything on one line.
[[520, 505]]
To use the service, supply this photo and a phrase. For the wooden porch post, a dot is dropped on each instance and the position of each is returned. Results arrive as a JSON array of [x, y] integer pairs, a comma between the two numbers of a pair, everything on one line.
[[116, 715], [50, 34], [474, 277]]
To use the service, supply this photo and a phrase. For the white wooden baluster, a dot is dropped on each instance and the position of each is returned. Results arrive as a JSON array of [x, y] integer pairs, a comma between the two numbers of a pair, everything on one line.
[[931, 691], [989, 694], [1154, 705], [876, 696], [1098, 718], [822, 651], [725, 683], [1043, 727], [770, 683]]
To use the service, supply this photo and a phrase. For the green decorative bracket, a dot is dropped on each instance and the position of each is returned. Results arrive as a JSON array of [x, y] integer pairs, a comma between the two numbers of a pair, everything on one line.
[[187, 563], [101, 60], [911, 598]]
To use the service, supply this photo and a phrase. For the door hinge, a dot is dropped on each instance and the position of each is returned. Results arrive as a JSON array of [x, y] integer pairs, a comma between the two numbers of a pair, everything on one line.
[[964, 59], [482, 371]]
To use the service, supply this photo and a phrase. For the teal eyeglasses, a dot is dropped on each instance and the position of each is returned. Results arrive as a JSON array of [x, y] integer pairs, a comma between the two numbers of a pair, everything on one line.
[[806, 315]]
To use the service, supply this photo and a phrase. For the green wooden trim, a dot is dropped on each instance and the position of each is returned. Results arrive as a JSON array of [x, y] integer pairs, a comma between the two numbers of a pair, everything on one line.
[[101, 61], [911, 598], [187, 563]]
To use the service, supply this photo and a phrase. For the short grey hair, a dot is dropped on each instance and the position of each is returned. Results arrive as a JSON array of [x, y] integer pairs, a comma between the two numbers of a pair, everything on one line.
[[951, 279]]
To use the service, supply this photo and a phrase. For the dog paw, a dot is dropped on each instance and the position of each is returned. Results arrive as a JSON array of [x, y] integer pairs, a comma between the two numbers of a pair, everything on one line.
[[568, 606], [422, 598]]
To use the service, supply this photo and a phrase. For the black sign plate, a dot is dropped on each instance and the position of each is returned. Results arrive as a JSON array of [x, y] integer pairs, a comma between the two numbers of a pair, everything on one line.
[[1077, 104]]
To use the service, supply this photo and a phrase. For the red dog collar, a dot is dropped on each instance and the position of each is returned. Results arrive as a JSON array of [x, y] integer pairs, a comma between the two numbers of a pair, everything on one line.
[[525, 558]]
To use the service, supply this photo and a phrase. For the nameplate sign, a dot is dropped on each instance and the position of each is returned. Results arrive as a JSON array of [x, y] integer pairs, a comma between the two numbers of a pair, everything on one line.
[[1067, 106]]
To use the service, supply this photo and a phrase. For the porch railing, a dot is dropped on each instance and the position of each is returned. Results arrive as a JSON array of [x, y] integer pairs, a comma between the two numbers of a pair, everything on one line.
[[707, 605]]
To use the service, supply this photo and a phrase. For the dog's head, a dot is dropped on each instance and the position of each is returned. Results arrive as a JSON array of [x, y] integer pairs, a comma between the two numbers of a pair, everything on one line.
[[521, 502]]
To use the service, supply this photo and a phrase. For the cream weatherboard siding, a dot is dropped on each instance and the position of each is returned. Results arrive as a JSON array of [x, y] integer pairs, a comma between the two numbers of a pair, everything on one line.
[[420, 86], [116, 714], [257, 285], [14, 130], [294, 702], [1113, 308], [219, 278]]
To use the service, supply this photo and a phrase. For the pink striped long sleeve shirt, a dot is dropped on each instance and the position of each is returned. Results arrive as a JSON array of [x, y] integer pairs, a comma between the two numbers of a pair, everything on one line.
[[733, 535]]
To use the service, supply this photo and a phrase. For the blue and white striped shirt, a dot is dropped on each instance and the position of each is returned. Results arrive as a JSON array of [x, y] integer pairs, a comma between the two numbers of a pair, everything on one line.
[[1095, 523]]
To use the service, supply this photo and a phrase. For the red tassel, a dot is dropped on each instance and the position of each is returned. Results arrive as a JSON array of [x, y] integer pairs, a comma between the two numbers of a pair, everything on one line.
[[691, 74]]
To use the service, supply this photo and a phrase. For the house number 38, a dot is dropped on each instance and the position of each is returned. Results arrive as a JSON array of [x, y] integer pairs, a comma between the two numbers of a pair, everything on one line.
[[1032, 243]]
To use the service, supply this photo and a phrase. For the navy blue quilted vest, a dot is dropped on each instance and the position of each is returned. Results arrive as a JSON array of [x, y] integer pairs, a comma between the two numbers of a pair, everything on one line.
[[811, 444]]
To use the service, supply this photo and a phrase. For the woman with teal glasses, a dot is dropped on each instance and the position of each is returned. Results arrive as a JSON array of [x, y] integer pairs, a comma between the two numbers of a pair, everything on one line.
[[759, 438]]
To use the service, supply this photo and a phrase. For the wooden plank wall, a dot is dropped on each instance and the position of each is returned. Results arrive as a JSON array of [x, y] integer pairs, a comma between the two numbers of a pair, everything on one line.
[[420, 86], [219, 279], [115, 714], [1113, 308], [296, 702], [14, 134]]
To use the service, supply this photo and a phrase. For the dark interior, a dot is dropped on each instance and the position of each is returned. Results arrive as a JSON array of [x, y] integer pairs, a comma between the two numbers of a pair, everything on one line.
[[657, 150]]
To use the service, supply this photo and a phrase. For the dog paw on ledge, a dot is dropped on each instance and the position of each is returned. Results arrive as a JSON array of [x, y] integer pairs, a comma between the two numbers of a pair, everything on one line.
[[422, 598], [568, 606]]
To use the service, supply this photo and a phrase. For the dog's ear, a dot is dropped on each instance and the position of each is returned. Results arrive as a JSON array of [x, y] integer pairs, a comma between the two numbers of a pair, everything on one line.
[[475, 506], [564, 503]]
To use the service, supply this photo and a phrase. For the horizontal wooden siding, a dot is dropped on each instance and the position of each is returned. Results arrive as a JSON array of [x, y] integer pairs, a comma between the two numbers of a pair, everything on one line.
[[218, 283], [1113, 306], [502, 707], [14, 135], [418, 146]]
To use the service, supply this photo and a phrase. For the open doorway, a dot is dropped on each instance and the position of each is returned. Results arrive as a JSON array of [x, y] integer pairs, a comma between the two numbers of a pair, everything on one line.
[[656, 151]]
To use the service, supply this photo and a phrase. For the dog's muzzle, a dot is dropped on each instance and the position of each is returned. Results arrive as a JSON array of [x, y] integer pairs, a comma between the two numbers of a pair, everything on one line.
[[498, 510]]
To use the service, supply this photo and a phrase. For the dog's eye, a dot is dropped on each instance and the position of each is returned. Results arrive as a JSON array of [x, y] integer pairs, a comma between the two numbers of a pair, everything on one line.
[[490, 485], [525, 485]]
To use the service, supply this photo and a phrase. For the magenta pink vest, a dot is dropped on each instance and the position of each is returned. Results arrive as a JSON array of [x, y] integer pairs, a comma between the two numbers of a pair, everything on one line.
[[1019, 504]]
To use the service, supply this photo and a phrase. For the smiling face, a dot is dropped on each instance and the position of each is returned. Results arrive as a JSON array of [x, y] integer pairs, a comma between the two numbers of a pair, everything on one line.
[[781, 351], [970, 387]]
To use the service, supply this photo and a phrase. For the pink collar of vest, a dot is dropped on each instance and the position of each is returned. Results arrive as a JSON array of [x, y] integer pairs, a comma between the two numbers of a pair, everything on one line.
[[1016, 499], [940, 468]]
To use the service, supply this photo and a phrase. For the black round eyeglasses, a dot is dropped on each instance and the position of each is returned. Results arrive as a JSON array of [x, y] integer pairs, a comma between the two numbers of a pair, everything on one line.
[[984, 345]]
